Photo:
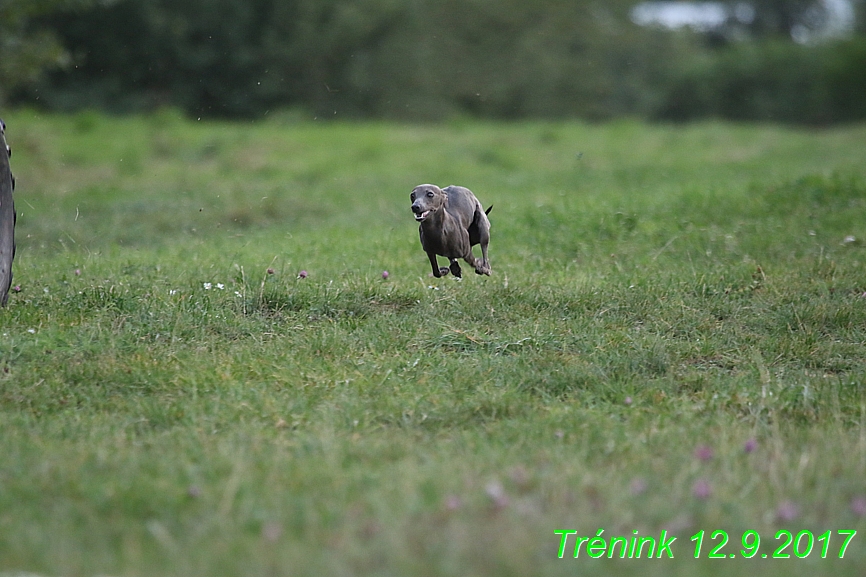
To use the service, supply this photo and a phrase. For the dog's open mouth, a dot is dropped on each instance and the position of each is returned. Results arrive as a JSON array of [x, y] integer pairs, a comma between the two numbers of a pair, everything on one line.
[[421, 216]]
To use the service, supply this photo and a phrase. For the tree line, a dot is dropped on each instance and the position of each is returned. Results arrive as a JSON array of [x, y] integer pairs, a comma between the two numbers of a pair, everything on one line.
[[428, 60]]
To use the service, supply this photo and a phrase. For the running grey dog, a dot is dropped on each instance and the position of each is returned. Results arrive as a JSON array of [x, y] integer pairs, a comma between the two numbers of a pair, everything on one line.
[[452, 222]]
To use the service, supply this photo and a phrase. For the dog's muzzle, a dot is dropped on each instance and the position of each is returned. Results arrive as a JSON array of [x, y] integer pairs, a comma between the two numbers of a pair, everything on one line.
[[420, 214]]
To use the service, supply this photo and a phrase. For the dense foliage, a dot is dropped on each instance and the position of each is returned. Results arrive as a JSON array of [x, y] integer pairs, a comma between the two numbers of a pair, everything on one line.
[[427, 59], [776, 81]]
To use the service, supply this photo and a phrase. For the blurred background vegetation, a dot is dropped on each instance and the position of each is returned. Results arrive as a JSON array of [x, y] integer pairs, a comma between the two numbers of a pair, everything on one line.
[[794, 61]]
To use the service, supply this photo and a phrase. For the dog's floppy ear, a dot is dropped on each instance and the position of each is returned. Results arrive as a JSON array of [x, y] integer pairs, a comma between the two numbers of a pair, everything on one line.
[[447, 198]]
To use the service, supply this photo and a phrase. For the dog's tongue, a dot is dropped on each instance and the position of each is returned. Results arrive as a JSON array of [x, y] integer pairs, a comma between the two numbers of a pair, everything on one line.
[[422, 216]]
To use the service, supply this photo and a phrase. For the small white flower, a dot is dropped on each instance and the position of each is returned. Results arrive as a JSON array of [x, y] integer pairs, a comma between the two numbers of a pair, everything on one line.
[[238, 294], [221, 286], [172, 292], [31, 331], [207, 286]]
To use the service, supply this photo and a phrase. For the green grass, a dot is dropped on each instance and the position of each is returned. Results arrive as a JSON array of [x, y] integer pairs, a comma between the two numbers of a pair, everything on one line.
[[661, 296]]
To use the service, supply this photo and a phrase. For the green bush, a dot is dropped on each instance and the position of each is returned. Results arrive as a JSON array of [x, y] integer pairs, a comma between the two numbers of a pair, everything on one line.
[[430, 60], [775, 81], [425, 60]]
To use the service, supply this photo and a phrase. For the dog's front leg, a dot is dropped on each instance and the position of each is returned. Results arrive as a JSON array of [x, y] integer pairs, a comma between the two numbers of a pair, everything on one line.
[[437, 271], [455, 268]]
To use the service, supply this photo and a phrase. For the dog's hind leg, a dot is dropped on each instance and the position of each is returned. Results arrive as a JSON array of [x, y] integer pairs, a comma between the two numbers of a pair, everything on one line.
[[483, 266], [479, 233]]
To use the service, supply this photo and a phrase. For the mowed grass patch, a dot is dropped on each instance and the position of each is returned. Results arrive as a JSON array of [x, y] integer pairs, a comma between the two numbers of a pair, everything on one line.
[[672, 339]]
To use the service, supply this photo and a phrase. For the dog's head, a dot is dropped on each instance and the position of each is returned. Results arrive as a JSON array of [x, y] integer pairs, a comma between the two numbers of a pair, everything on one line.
[[426, 199]]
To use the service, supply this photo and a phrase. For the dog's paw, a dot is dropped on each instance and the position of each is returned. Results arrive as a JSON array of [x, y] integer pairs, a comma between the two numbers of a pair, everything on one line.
[[443, 271], [483, 269]]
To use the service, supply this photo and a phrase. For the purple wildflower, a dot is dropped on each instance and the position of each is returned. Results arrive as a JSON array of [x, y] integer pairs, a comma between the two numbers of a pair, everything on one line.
[[858, 506], [272, 531], [702, 489], [787, 511], [453, 502], [704, 453], [638, 486]]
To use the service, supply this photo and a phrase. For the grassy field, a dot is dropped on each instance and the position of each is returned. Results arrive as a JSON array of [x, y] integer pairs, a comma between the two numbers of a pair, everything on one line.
[[672, 340]]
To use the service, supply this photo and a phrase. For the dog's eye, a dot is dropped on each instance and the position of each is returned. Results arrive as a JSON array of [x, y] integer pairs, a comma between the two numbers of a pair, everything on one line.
[[429, 194]]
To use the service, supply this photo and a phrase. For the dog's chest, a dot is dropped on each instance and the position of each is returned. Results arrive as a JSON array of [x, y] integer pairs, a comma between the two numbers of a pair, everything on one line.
[[443, 240]]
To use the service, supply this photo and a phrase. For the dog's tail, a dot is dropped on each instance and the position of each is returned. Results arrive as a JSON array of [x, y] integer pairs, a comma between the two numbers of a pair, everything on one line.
[[488, 210]]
